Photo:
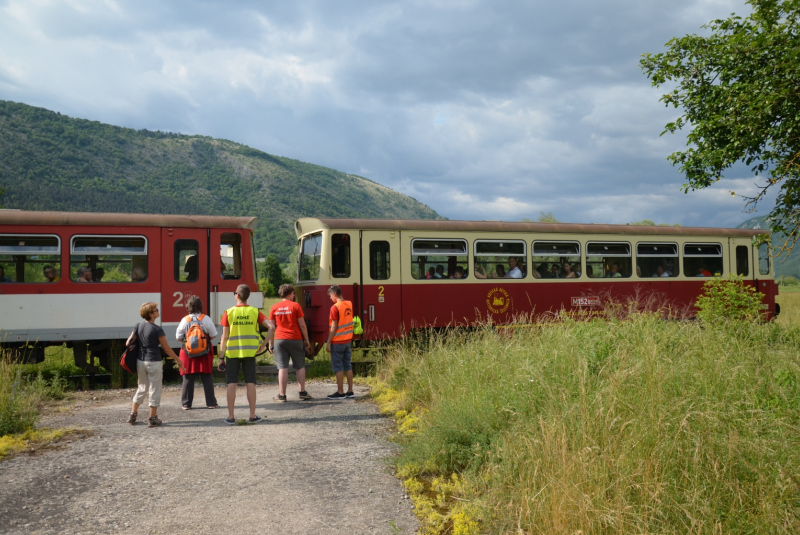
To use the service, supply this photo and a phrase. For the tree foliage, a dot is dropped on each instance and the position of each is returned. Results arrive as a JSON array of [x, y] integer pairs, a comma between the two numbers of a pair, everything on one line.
[[739, 92]]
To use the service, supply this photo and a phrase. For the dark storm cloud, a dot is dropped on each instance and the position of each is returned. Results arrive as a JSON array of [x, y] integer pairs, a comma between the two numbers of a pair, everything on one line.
[[495, 110]]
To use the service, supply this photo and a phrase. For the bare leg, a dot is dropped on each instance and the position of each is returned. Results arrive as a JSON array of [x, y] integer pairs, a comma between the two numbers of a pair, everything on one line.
[[231, 398], [340, 382], [153, 412], [251, 398], [349, 381], [283, 380], [135, 408], [301, 378]]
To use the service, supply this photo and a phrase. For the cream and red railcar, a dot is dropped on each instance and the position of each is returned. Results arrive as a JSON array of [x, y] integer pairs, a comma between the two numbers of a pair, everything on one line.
[[80, 278], [403, 274]]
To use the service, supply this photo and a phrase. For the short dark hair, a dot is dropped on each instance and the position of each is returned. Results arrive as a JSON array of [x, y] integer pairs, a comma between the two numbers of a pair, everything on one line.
[[335, 290], [194, 305], [243, 291], [285, 290]]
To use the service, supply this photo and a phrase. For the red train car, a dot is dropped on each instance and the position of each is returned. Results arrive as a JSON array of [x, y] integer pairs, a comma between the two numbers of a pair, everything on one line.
[[80, 278], [403, 274]]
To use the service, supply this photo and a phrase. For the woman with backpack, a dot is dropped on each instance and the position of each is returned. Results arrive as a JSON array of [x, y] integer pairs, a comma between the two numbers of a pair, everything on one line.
[[197, 354]]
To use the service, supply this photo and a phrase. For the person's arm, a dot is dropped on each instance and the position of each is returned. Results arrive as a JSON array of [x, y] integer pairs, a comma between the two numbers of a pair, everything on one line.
[[331, 334], [223, 343], [268, 338], [131, 338], [170, 353], [302, 324]]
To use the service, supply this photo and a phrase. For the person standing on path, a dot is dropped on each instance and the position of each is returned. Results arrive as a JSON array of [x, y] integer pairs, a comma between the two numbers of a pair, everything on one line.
[[291, 341], [200, 366], [149, 364], [340, 337], [239, 346]]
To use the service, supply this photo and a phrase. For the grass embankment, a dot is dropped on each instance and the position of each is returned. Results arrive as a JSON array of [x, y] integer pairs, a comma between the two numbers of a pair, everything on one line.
[[637, 426]]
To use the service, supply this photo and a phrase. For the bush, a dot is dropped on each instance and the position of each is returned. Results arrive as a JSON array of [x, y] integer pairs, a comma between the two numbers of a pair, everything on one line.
[[728, 299], [20, 398], [266, 287], [787, 280]]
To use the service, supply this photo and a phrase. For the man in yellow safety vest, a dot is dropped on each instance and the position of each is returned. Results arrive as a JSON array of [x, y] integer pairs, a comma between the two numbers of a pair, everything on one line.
[[239, 344], [338, 345]]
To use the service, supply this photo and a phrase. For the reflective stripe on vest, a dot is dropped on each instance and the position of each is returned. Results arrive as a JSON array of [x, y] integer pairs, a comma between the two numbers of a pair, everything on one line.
[[344, 331], [243, 340]]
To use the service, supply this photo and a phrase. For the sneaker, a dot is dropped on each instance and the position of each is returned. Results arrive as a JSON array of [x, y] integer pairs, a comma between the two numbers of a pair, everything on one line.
[[350, 395], [230, 421], [304, 396], [336, 395], [153, 421], [254, 419], [132, 418], [280, 398]]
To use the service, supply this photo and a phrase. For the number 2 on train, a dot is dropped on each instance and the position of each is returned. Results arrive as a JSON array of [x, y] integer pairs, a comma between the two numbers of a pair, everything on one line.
[[380, 294]]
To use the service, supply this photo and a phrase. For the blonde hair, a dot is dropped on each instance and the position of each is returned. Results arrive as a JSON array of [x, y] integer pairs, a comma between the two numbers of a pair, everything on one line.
[[147, 309]]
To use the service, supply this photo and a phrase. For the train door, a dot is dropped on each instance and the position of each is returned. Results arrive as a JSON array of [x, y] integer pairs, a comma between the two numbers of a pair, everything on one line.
[[382, 307], [740, 258], [184, 268]]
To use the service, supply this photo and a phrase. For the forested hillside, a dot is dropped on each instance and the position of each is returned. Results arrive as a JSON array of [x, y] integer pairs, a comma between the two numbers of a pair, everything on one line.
[[49, 161]]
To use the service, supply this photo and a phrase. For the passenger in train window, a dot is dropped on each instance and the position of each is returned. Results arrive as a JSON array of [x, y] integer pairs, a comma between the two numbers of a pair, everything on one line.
[[480, 271], [536, 274], [3, 277], [137, 274], [439, 272], [98, 274], [544, 270], [431, 272], [568, 273], [555, 272], [703, 272], [513, 269], [590, 272], [458, 273], [499, 272], [661, 272], [84, 274], [614, 271], [49, 273]]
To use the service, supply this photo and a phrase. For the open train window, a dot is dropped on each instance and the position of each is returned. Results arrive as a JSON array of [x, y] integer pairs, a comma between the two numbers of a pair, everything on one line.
[[379, 260], [763, 259], [30, 258], [657, 260], [702, 259], [340, 255], [230, 254], [609, 260], [497, 259], [556, 260], [186, 266], [310, 253], [108, 258], [439, 259]]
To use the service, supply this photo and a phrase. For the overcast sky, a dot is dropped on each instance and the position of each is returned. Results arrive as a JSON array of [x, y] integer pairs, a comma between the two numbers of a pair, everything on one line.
[[479, 109]]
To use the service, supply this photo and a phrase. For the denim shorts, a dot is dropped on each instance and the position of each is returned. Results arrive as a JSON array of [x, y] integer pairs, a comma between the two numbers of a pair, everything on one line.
[[340, 357], [248, 366]]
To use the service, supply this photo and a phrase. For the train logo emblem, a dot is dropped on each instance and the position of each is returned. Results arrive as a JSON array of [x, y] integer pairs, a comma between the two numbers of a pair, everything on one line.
[[497, 301]]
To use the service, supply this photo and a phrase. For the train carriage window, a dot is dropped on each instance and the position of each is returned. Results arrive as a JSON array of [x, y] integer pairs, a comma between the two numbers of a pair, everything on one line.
[[186, 265], [310, 253], [379, 260], [556, 260], [763, 259], [743, 260], [108, 258], [654, 260], [498, 259], [702, 259], [340, 255], [609, 260], [439, 259], [230, 254], [30, 258]]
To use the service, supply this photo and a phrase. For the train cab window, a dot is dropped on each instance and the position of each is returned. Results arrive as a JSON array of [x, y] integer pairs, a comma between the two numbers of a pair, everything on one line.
[[743, 260], [499, 259], [108, 258], [310, 253], [556, 260], [30, 258], [702, 259], [439, 259], [340, 255], [230, 254], [610, 260], [379, 260], [654, 260], [186, 265], [763, 259]]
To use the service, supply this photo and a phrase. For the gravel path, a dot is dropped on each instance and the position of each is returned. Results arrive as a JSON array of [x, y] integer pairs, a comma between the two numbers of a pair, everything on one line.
[[313, 467]]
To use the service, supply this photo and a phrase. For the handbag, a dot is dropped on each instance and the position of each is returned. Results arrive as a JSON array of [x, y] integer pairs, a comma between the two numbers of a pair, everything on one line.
[[130, 355]]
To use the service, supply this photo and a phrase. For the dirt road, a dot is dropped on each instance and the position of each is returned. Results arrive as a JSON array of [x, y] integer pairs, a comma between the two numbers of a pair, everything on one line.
[[312, 467]]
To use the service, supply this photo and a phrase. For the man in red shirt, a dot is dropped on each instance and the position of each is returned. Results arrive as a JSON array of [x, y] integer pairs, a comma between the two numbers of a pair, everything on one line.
[[291, 341], [340, 337]]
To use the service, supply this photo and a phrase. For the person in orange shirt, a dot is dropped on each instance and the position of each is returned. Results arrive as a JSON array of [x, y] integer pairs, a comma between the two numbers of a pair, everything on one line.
[[340, 337], [290, 341]]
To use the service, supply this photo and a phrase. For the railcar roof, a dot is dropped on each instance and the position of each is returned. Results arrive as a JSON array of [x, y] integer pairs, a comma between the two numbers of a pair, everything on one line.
[[305, 225], [22, 217]]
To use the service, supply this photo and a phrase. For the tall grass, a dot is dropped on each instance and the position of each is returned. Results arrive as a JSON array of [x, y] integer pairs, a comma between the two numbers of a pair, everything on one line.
[[641, 426], [22, 395]]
